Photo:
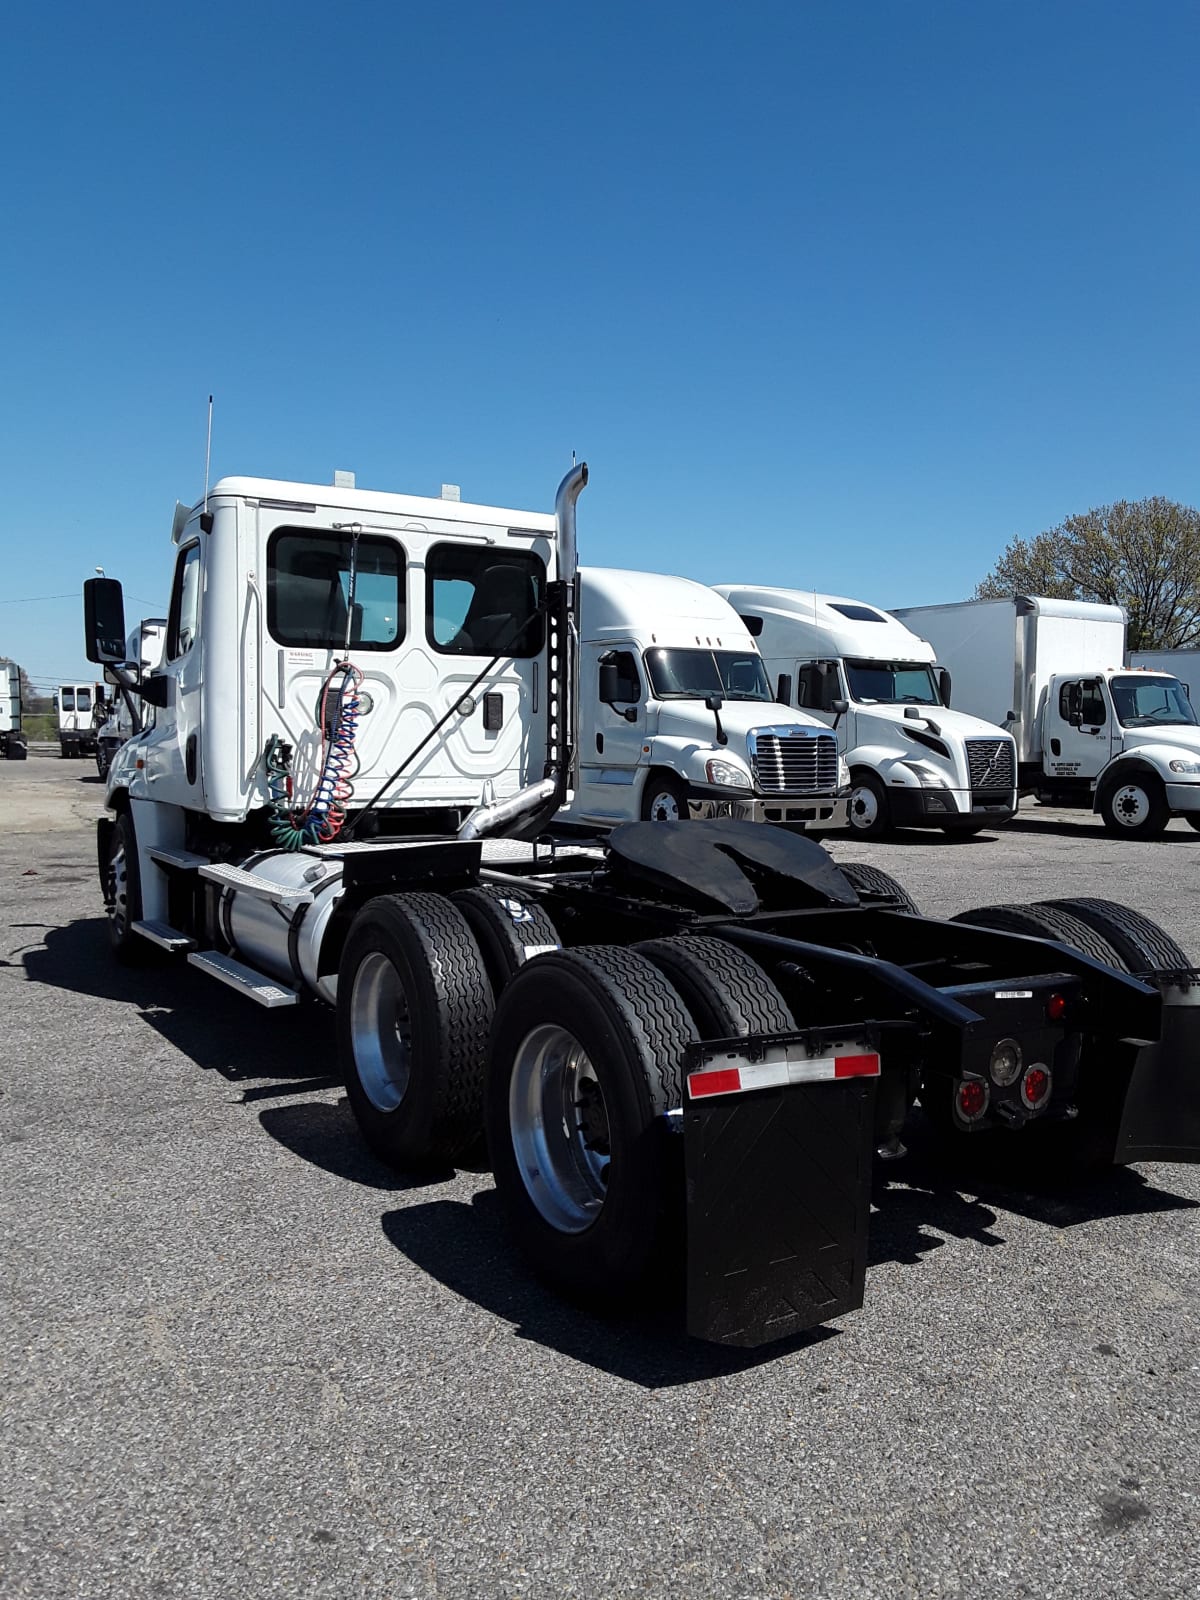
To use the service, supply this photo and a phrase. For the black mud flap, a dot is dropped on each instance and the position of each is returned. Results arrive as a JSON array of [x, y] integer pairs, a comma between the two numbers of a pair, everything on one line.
[[1161, 1119], [778, 1204]]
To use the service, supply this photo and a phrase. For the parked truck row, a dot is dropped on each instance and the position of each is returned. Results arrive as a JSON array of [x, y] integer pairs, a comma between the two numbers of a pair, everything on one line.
[[685, 1039]]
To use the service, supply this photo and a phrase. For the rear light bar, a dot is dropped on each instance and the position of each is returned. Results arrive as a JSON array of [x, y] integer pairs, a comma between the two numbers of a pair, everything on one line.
[[779, 1074]]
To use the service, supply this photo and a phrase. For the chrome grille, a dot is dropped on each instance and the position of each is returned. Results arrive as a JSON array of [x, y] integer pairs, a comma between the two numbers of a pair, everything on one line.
[[795, 763], [990, 764]]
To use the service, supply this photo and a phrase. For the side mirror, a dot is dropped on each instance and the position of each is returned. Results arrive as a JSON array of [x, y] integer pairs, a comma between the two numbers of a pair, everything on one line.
[[104, 620], [840, 706], [943, 679], [713, 702], [783, 689], [610, 682], [156, 689]]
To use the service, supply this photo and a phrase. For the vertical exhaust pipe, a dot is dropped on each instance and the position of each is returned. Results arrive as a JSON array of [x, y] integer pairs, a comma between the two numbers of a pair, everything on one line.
[[538, 802]]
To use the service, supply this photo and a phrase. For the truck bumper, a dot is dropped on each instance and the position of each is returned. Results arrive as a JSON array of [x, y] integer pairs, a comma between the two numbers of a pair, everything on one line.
[[1183, 797], [943, 808], [798, 812], [1160, 1120]]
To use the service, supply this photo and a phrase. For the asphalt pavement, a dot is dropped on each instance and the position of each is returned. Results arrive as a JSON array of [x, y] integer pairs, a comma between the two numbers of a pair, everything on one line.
[[239, 1357]]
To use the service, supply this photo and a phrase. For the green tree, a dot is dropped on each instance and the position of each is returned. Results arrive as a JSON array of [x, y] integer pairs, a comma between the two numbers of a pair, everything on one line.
[[1143, 555]]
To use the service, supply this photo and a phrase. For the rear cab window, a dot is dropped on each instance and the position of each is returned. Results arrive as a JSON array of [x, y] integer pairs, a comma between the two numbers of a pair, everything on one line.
[[308, 590], [484, 602]]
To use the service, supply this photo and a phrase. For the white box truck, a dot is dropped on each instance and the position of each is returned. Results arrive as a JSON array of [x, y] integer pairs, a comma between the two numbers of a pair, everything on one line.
[[12, 739], [1088, 730], [1181, 664], [678, 720], [81, 709], [913, 761]]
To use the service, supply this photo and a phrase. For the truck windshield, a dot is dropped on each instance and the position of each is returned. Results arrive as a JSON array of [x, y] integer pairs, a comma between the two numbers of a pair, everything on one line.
[[892, 683], [695, 674], [1151, 702]]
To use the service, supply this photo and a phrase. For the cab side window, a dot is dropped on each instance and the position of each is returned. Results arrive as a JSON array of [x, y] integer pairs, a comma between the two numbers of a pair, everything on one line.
[[1092, 706], [1083, 703], [184, 620]]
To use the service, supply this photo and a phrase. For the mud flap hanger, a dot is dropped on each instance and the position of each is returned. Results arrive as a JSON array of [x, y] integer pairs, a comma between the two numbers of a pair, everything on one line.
[[1160, 1120]]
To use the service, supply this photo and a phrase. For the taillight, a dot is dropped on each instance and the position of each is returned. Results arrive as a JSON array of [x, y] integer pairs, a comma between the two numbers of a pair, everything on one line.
[[1035, 1087], [1056, 1007], [971, 1099]]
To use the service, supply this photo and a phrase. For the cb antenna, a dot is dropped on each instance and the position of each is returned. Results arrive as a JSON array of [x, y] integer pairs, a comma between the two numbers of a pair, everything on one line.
[[207, 454]]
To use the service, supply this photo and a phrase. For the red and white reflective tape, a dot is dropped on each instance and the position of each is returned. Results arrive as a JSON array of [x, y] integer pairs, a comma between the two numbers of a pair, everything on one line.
[[779, 1074]]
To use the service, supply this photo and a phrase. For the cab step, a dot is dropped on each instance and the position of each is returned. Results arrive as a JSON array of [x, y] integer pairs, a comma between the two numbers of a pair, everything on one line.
[[247, 883], [257, 986], [164, 935], [185, 860]]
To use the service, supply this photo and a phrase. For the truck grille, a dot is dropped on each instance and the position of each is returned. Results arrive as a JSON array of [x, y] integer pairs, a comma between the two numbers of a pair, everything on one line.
[[990, 764], [795, 763]]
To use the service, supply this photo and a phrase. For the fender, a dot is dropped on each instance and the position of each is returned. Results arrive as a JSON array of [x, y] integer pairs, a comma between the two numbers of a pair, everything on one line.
[[686, 759], [889, 767], [1145, 759]]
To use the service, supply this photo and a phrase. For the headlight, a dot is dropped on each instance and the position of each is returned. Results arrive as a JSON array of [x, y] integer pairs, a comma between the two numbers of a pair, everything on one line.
[[843, 773], [726, 774], [927, 777], [1184, 766]]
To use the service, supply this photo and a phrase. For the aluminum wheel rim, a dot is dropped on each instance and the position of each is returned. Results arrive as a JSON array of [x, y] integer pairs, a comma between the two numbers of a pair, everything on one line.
[[560, 1131], [664, 807], [381, 1032], [864, 807], [1131, 805]]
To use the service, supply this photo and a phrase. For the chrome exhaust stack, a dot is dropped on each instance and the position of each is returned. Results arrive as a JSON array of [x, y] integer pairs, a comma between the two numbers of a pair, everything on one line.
[[528, 812]]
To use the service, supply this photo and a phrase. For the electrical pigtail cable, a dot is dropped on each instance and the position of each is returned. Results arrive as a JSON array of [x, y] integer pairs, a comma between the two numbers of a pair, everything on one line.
[[338, 708]]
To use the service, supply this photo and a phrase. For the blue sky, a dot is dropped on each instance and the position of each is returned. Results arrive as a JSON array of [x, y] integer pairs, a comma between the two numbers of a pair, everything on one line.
[[836, 294]]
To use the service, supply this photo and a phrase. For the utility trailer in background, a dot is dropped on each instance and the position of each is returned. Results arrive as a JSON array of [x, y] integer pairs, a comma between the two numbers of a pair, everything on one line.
[[13, 746], [686, 1045]]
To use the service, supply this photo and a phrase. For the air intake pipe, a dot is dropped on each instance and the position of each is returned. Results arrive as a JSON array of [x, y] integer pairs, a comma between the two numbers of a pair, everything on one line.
[[533, 807]]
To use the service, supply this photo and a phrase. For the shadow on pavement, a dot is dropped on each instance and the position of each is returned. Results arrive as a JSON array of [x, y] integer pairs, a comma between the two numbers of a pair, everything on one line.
[[218, 1031], [464, 1246], [327, 1136]]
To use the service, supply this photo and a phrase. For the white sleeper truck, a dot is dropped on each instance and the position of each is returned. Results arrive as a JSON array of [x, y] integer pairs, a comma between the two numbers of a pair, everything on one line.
[[678, 720], [914, 762], [684, 1044], [1089, 731], [1181, 664], [143, 653], [12, 740], [81, 709]]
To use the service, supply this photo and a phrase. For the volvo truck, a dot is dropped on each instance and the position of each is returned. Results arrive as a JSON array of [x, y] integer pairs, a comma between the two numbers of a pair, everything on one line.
[[913, 761], [1089, 731], [678, 719], [685, 1044]]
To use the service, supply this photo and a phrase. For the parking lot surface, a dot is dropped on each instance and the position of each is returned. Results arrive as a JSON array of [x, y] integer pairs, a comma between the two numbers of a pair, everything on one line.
[[240, 1357]]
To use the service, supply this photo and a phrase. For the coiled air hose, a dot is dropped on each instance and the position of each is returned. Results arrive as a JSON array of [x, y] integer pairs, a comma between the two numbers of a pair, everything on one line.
[[320, 821]]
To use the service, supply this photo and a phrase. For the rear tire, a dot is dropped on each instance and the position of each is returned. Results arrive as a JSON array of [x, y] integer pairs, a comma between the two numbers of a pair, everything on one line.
[[874, 884], [869, 812], [726, 993], [506, 927], [1047, 920], [1140, 943], [586, 1055], [1134, 807], [413, 1010]]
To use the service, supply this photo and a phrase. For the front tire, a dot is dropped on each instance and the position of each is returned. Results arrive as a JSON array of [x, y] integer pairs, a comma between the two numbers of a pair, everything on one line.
[[414, 1005], [122, 889], [1135, 807], [586, 1056], [664, 799], [870, 812]]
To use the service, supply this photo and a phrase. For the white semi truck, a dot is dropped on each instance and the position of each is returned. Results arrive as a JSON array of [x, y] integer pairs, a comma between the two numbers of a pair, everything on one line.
[[914, 762], [13, 746], [683, 1044], [677, 716], [1089, 731], [82, 707], [143, 653]]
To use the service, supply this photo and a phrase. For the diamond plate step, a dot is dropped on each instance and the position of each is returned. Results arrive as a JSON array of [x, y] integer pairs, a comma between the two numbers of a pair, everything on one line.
[[255, 985], [247, 883], [187, 859], [163, 934]]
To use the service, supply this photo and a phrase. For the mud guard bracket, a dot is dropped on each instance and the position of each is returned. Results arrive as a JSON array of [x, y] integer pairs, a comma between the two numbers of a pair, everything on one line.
[[778, 1204]]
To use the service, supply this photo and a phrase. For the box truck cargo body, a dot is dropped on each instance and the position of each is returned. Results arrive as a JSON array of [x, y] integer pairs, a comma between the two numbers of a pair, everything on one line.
[[1088, 730]]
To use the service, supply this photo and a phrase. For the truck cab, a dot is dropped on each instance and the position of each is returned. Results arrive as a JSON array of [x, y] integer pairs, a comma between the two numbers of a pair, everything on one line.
[[143, 654], [913, 761], [677, 719], [13, 746], [81, 709], [1132, 737]]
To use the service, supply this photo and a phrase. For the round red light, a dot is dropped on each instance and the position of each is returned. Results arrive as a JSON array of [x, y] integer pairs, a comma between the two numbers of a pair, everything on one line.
[[1056, 1007], [972, 1099], [1035, 1086]]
